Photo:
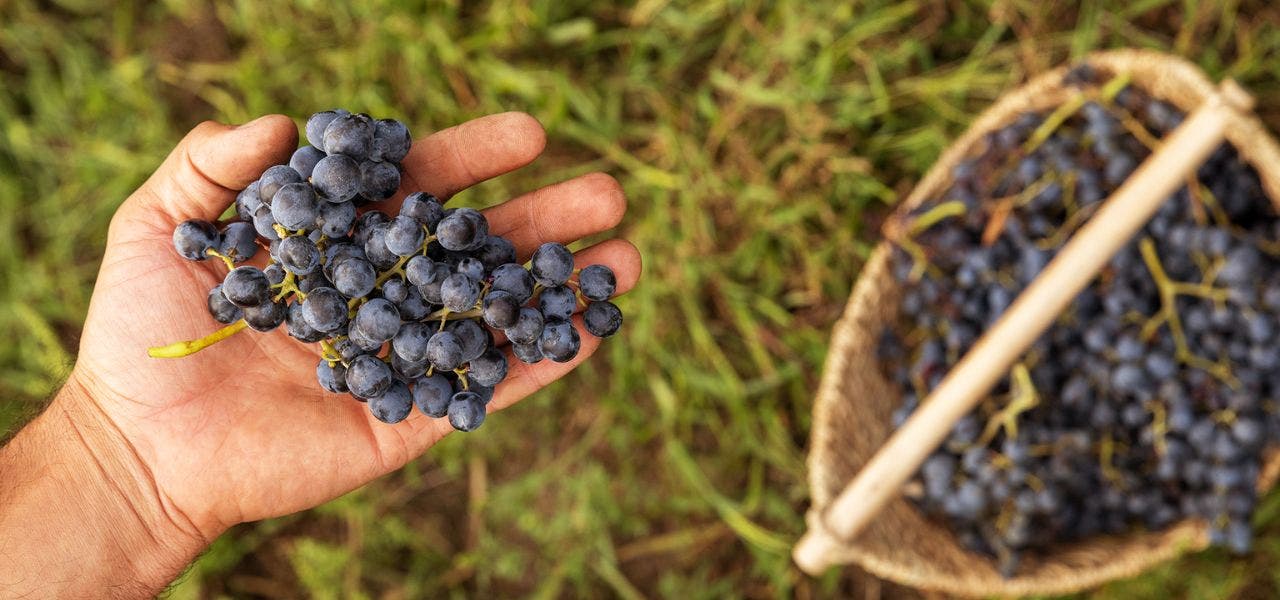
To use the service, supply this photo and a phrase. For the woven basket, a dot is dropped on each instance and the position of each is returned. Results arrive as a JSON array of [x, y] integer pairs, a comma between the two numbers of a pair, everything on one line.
[[854, 402]]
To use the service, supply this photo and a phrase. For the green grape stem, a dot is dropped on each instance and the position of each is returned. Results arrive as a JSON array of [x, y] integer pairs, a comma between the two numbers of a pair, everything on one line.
[[288, 286], [397, 269], [187, 348], [225, 259], [445, 314], [329, 353], [1169, 291], [1024, 398]]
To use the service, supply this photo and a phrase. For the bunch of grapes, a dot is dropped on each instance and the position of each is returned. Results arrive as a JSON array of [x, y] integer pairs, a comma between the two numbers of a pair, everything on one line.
[[1153, 397], [404, 308]]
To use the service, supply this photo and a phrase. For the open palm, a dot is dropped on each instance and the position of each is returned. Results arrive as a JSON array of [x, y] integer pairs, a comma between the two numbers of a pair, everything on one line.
[[242, 431]]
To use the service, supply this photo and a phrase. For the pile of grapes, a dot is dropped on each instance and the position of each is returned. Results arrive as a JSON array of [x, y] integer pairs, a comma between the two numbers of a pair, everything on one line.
[[1152, 399], [399, 305]]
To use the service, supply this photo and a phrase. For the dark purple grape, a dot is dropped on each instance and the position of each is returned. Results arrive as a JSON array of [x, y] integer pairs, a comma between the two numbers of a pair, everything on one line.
[[464, 229], [378, 319], [335, 220], [368, 377], [406, 370], [378, 180], [304, 160], [560, 341], [391, 141], [325, 309], [501, 310], [366, 223], [444, 351], [376, 250], [432, 290], [527, 328], [299, 255], [529, 353], [459, 293], [495, 252], [404, 236], [193, 239], [364, 342], [602, 319], [466, 411], [419, 270], [489, 368], [557, 302], [247, 202], [350, 135], [298, 327], [274, 273], [432, 395], [354, 277], [266, 316], [221, 309], [395, 290], [264, 223], [552, 264], [246, 286], [393, 405], [413, 307], [318, 122], [471, 268], [275, 178], [410, 343], [239, 241], [336, 178], [597, 282], [423, 208], [332, 377], [515, 280]]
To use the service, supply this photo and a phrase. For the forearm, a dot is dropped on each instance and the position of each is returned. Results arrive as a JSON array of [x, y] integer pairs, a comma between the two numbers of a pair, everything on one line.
[[79, 513]]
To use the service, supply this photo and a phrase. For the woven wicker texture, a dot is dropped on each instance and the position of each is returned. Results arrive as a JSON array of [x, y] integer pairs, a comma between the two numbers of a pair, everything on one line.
[[854, 402]]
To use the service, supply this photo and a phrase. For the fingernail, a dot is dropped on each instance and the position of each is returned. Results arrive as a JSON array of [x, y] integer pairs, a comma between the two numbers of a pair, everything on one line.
[[252, 123]]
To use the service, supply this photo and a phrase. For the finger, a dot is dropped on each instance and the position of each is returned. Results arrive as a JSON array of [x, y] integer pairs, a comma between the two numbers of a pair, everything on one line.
[[561, 212], [461, 156], [524, 379], [418, 432], [202, 175], [408, 439], [619, 255]]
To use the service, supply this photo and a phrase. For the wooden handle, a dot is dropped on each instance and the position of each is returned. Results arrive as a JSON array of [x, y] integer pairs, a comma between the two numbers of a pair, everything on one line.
[[1120, 217]]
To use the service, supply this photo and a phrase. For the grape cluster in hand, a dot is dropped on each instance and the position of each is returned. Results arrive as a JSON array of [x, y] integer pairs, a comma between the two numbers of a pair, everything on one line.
[[404, 308], [1153, 397]]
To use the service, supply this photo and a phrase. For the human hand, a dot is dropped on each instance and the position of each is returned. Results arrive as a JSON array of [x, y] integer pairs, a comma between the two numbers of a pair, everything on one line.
[[242, 431]]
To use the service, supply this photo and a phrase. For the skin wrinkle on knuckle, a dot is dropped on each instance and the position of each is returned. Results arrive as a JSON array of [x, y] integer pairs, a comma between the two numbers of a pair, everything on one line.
[[369, 433], [411, 179], [202, 175], [534, 375], [535, 222], [181, 193], [461, 164]]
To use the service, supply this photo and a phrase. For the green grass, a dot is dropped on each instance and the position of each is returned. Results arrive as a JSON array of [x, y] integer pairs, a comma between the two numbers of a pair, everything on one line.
[[759, 143]]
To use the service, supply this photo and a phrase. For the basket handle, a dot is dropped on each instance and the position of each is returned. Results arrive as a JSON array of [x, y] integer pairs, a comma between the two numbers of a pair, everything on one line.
[[1119, 219]]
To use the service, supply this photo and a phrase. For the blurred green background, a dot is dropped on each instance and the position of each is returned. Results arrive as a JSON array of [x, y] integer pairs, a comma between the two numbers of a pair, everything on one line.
[[760, 143]]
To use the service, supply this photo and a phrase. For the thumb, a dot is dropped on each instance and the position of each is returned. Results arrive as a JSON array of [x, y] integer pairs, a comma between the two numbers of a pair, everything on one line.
[[201, 177]]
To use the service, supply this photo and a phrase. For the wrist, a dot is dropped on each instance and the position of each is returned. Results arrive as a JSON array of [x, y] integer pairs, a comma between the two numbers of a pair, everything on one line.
[[88, 500]]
